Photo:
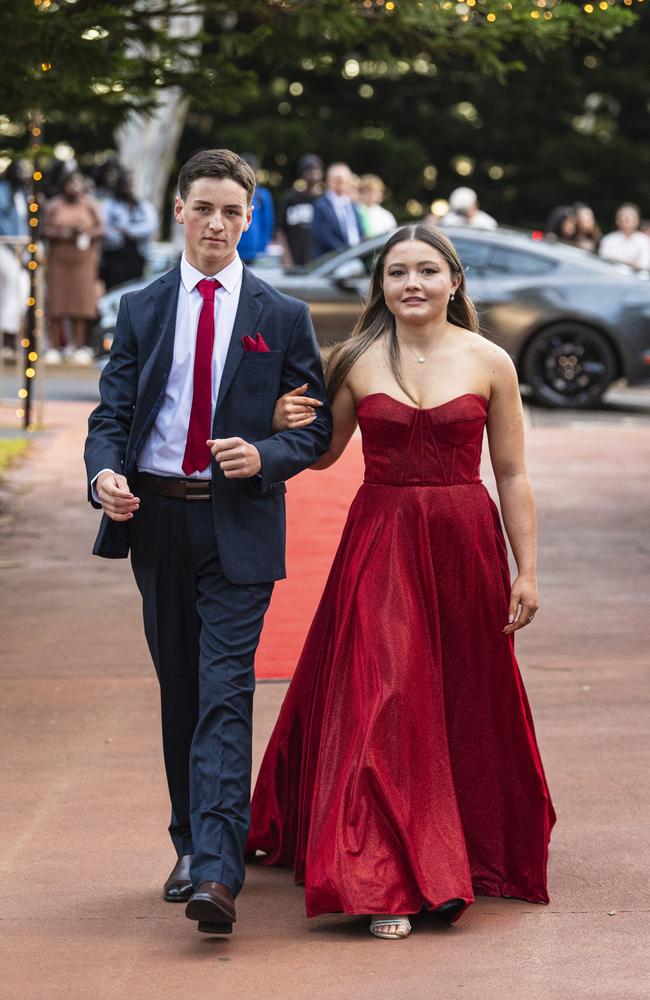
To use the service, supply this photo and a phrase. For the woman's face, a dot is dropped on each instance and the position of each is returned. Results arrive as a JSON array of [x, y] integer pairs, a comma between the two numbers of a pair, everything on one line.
[[417, 282], [74, 186], [585, 219], [568, 227], [627, 220], [371, 194]]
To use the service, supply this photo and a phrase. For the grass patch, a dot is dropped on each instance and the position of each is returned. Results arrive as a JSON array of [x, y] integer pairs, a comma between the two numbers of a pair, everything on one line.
[[11, 449]]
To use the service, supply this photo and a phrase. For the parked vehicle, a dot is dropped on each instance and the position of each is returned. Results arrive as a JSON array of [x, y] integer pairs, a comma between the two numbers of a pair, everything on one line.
[[572, 322]]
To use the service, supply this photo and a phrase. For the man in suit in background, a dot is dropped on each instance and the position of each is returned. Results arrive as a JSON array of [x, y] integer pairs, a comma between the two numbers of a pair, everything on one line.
[[337, 222], [181, 457]]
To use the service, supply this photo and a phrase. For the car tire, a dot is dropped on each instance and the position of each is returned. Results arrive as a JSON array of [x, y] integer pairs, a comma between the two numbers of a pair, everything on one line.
[[568, 365]]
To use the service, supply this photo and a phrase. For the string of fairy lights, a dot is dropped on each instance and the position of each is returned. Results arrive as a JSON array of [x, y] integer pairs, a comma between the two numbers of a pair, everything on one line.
[[35, 312], [467, 9]]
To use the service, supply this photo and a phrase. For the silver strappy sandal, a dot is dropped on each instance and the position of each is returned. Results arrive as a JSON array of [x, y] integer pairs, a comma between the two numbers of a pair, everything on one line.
[[378, 927]]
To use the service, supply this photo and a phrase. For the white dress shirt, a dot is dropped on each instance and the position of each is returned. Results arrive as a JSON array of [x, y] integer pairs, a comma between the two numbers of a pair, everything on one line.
[[480, 220], [633, 250], [164, 448]]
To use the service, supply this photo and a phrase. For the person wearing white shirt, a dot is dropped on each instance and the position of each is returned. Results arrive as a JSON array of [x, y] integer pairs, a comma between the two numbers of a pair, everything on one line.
[[464, 210], [376, 219], [182, 457], [627, 244], [162, 452]]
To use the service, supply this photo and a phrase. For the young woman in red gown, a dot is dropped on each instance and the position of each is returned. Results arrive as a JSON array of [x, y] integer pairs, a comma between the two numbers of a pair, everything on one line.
[[403, 771]]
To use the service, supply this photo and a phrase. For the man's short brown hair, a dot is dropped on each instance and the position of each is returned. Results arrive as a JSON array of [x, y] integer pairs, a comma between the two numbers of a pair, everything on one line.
[[216, 163]]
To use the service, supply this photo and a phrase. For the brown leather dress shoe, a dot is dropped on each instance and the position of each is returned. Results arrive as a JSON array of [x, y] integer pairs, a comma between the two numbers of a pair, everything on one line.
[[178, 887], [213, 905]]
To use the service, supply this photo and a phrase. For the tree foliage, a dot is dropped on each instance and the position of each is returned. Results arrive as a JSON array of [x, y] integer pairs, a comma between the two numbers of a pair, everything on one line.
[[98, 59], [543, 108]]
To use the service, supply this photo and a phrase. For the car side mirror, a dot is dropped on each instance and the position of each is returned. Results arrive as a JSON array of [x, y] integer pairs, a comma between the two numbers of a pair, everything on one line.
[[348, 273]]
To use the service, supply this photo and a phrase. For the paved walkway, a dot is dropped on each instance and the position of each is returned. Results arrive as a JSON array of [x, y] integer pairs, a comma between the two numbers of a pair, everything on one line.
[[83, 846]]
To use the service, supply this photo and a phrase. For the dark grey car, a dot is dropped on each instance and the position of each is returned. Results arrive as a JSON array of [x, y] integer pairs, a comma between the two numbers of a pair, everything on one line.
[[571, 322]]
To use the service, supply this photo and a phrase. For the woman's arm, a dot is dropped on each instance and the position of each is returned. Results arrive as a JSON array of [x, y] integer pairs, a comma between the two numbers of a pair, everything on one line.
[[296, 409], [344, 424], [505, 426]]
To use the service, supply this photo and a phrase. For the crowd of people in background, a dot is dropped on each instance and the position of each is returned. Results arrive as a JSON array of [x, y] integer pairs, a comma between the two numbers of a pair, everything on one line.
[[628, 243], [98, 234]]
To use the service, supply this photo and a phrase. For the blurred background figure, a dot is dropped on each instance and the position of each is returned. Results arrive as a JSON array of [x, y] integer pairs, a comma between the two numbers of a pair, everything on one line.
[[562, 224], [297, 212], [131, 224], [375, 219], [464, 210], [355, 187], [74, 226], [14, 280], [259, 234], [627, 243], [106, 179], [588, 233], [337, 223], [57, 173]]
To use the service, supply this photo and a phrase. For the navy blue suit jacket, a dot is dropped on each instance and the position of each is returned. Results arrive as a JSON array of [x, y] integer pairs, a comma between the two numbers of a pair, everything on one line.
[[326, 229], [249, 514]]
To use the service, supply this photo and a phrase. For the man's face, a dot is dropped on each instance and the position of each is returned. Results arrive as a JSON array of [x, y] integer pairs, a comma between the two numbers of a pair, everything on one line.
[[627, 220], [313, 175], [338, 180], [214, 213]]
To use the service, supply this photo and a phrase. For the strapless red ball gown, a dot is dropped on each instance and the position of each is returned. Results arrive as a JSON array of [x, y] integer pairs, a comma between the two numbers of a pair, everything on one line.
[[403, 770]]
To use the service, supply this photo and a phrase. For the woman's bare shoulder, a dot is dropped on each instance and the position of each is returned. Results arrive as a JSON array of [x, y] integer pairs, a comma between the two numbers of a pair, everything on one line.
[[486, 351]]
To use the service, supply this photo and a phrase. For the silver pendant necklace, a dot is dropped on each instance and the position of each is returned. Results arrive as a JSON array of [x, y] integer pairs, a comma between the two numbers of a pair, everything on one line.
[[420, 358]]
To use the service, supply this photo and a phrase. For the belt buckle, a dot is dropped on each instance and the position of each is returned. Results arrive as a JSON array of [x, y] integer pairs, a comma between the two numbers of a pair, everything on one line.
[[200, 491]]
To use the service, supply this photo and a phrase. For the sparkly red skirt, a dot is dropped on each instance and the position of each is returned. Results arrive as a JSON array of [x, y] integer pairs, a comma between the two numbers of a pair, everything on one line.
[[403, 770]]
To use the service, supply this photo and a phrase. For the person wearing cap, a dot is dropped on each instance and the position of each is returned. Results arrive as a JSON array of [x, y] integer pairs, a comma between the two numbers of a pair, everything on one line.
[[464, 210], [297, 211]]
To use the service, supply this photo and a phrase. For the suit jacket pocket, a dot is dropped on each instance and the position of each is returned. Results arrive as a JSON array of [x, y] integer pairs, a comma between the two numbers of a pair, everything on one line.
[[254, 488], [266, 357]]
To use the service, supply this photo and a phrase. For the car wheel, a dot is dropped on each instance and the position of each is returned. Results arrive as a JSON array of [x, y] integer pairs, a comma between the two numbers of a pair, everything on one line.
[[569, 366]]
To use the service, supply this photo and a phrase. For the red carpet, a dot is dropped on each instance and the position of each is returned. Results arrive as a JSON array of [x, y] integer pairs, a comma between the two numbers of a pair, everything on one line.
[[317, 505]]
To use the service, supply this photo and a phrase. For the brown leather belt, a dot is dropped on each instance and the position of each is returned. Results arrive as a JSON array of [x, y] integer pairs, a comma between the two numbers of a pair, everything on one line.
[[168, 486]]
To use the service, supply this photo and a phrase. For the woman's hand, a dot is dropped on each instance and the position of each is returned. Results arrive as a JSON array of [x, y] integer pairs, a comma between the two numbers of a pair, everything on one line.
[[523, 603], [294, 409]]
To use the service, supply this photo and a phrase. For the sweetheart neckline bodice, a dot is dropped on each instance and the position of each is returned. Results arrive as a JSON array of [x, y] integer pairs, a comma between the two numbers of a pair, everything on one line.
[[423, 409]]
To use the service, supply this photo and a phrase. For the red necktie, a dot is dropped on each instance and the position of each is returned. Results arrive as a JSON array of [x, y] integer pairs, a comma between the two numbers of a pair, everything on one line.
[[197, 454]]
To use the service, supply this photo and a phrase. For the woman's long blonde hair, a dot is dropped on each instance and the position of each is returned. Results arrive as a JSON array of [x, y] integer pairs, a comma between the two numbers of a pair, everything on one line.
[[377, 319]]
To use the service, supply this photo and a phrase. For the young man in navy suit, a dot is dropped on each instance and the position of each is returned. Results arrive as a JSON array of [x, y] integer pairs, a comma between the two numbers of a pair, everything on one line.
[[182, 459]]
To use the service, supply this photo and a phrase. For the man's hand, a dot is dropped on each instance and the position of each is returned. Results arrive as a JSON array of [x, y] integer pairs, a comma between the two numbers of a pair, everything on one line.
[[115, 496], [238, 459]]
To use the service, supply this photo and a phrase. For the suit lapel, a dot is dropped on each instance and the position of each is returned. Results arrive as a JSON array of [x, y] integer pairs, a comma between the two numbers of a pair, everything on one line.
[[248, 312], [165, 293], [336, 220]]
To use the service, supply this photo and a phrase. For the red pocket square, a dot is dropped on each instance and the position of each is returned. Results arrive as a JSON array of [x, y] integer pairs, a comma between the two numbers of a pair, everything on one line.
[[257, 344]]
